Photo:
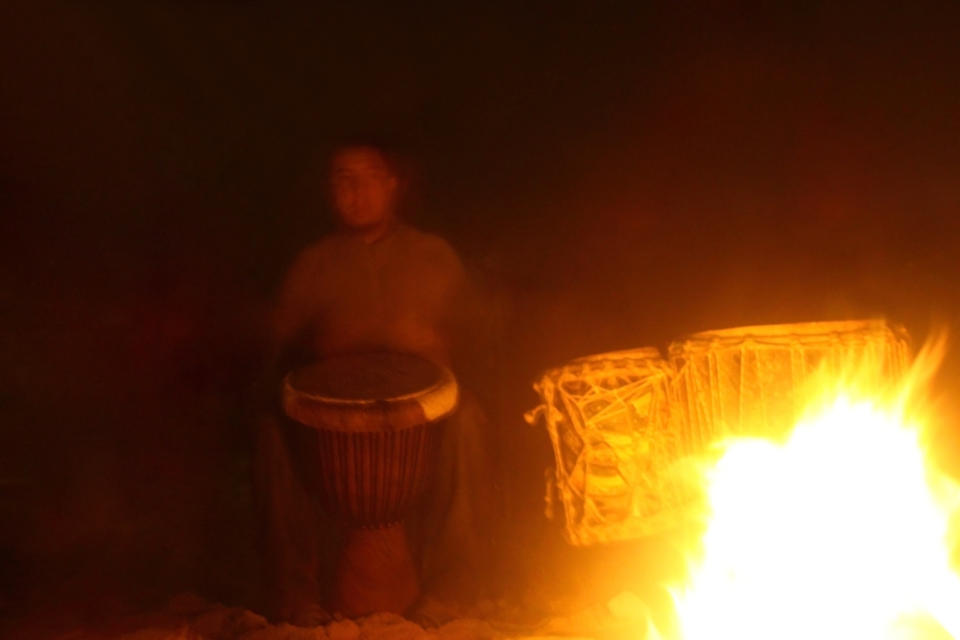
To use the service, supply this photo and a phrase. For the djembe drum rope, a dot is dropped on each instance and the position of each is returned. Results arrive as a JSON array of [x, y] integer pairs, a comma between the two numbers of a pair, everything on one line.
[[607, 417]]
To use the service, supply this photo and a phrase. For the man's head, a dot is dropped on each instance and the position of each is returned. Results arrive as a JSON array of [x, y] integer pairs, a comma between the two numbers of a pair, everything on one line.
[[365, 186]]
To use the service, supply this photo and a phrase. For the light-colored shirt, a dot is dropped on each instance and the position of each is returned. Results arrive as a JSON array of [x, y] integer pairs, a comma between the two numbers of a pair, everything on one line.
[[396, 294]]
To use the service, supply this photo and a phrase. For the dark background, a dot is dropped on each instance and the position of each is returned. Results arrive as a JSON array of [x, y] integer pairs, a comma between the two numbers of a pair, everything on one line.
[[613, 177]]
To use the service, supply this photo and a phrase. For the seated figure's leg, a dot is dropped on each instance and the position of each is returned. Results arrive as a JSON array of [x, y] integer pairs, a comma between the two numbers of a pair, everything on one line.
[[455, 532], [291, 531]]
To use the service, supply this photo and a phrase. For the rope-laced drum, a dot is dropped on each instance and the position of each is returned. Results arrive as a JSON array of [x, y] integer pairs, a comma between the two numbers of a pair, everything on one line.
[[375, 424], [753, 380], [608, 417]]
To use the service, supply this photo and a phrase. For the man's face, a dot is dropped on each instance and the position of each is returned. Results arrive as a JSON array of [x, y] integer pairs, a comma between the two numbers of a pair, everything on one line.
[[364, 187]]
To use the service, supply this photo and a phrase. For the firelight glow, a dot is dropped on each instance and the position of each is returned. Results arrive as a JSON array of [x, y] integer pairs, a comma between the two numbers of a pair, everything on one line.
[[839, 531]]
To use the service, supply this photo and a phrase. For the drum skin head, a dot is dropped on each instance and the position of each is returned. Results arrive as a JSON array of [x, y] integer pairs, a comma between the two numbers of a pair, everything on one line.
[[369, 392], [379, 376], [804, 332]]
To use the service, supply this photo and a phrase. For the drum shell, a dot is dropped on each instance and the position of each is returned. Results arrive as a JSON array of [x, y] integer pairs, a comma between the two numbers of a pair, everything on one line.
[[755, 381], [368, 478], [367, 431], [615, 446]]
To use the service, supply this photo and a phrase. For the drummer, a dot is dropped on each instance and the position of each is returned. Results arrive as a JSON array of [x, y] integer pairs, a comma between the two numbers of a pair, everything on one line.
[[375, 284], [378, 282]]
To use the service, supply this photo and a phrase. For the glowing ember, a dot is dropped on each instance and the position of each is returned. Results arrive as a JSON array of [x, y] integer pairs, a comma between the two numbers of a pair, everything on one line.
[[841, 531]]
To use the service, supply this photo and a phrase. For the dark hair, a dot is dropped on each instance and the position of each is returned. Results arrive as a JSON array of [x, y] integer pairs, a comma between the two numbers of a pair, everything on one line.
[[393, 155]]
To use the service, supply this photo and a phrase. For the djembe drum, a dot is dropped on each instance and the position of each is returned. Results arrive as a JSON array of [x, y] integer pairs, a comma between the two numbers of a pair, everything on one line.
[[616, 474], [373, 434], [756, 380]]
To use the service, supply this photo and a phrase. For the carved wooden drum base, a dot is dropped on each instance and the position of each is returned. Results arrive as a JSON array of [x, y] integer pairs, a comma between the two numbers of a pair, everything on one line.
[[376, 572]]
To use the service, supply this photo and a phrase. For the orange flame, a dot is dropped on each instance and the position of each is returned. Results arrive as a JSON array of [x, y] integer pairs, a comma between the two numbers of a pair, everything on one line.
[[840, 531]]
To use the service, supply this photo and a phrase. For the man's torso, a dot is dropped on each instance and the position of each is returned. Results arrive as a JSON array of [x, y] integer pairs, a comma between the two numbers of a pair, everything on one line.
[[392, 294]]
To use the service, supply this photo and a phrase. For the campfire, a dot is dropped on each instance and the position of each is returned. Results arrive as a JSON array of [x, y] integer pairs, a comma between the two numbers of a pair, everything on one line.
[[841, 530]]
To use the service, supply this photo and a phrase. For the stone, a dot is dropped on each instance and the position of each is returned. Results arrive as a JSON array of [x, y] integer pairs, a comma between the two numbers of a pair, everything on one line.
[[223, 623], [311, 615], [431, 613], [389, 626], [343, 630], [179, 633], [285, 631], [468, 629], [380, 619]]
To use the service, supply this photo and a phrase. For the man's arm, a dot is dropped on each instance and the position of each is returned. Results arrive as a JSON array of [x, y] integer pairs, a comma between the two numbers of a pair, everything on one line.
[[290, 318], [467, 319]]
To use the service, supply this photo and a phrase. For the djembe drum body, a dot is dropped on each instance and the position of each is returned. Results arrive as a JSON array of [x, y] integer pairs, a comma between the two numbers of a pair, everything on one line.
[[756, 380], [373, 431], [608, 417]]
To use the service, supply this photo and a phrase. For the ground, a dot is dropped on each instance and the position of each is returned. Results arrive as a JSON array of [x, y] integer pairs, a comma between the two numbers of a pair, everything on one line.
[[189, 617]]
